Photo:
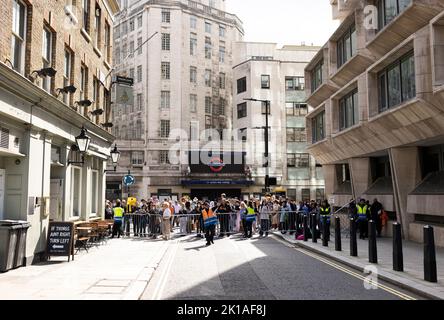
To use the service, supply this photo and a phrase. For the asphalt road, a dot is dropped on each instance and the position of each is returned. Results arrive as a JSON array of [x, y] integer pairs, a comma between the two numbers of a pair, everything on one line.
[[257, 269]]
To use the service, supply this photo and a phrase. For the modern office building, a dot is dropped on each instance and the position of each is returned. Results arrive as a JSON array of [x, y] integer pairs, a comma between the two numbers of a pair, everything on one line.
[[377, 125], [264, 72], [180, 54], [55, 56]]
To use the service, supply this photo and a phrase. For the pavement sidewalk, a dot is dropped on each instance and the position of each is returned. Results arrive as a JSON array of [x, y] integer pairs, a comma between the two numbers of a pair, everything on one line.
[[411, 279], [117, 270]]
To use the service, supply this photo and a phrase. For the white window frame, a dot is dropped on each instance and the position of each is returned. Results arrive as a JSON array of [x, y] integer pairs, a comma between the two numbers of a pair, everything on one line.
[[76, 195], [46, 56], [19, 63]]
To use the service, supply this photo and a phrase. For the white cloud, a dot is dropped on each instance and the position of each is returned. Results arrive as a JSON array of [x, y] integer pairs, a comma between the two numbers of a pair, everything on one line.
[[285, 21]]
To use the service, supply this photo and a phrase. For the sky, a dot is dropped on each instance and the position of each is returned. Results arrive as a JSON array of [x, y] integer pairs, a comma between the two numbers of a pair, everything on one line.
[[285, 22]]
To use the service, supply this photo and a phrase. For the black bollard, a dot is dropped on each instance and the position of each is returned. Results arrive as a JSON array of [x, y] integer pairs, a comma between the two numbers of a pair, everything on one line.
[[324, 231], [429, 255], [353, 242], [305, 228], [338, 244], [372, 248], [398, 260], [313, 228]]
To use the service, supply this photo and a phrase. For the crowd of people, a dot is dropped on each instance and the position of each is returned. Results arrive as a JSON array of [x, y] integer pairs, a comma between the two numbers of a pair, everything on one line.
[[154, 217]]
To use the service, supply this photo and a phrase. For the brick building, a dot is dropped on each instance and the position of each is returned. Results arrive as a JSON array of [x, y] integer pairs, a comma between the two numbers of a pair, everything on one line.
[[55, 61]]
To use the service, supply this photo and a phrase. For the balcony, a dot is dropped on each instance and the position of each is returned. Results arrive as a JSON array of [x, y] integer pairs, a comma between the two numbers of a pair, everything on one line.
[[325, 90], [351, 69], [413, 18]]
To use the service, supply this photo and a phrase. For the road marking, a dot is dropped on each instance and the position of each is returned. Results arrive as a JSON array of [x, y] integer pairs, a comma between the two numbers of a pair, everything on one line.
[[158, 292], [345, 270]]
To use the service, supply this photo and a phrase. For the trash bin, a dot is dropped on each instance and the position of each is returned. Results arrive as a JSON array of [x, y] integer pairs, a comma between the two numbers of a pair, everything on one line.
[[20, 252], [12, 243]]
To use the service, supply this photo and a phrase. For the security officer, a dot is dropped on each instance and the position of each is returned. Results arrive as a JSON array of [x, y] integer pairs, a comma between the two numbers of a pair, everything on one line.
[[363, 216], [210, 221], [131, 207], [118, 216], [325, 212], [249, 219]]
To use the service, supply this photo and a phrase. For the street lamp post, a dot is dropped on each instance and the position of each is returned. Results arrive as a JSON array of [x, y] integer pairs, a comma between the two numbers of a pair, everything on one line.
[[267, 155]]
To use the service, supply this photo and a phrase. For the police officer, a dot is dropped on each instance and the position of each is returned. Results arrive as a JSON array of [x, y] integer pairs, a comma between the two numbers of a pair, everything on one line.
[[325, 212], [118, 216], [210, 221], [249, 219], [129, 210], [363, 216]]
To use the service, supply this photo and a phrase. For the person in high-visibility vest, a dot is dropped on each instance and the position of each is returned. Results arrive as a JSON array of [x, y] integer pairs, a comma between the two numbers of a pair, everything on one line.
[[325, 212], [118, 217], [249, 219], [363, 215], [210, 221]]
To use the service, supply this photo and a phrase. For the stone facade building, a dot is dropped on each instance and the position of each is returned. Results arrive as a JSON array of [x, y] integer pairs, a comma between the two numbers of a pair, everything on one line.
[[183, 85], [48, 49], [377, 124]]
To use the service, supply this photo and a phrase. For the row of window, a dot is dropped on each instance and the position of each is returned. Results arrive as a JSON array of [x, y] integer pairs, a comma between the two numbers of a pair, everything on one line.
[[123, 27], [133, 131], [396, 84], [125, 52], [207, 77], [208, 47], [291, 83]]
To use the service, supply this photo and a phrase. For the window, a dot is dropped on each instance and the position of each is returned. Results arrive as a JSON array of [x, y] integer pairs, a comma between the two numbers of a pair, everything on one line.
[[166, 41], [164, 157], [222, 31], [124, 28], [83, 82], [222, 104], [305, 194], [349, 110], [316, 76], [243, 134], [138, 130], [165, 99], [139, 21], [397, 83], [265, 81], [76, 191], [208, 105], [242, 110], [193, 44], [124, 51], [318, 127], [222, 53], [194, 130], [296, 109], [207, 27], [193, 74], [131, 73], [164, 128], [117, 32], [94, 192], [242, 85], [85, 7], [346, 46], [18, 35], [264, 108], [193, 103], [193, 22], [107, 41], [117, 56], [67, 74], [389, 9], [208, 48], [166, 16], [298, 160], [139, 46], [208, 78], [137, 158], [139, 73], [222, 80], [131, 49], [96, 93], [132, 25], [139, 102], [296, 135], [98, 26], [294, 83], [165, 70], [47, 56]]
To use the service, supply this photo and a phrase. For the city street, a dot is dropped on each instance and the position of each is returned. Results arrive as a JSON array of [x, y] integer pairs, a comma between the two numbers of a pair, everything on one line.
[[256, 269]]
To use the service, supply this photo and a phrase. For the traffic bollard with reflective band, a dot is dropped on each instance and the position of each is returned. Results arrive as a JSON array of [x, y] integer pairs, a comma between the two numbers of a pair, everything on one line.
[[372, 248], [324, 231], [305, 228], [353, 241], [338, 244], [429, 255], [313, 228], [398, 260]]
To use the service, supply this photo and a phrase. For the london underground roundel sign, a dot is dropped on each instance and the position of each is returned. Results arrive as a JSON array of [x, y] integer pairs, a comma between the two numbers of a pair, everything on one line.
[[216, 164]]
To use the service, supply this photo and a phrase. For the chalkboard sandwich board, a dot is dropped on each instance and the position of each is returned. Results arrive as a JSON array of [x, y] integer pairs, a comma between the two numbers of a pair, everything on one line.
[[60, 240]]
